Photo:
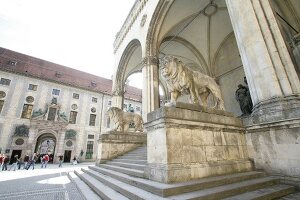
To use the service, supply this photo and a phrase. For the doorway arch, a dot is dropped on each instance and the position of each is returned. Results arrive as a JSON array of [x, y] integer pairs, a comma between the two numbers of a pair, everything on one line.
[[46, 144]]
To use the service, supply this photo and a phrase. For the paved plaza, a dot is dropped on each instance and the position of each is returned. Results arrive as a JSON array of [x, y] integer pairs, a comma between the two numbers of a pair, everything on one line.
[[46, 183]]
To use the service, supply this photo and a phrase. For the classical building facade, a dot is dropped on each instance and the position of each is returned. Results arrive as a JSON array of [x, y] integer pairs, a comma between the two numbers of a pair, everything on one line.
[[227, 40], [49, 108]]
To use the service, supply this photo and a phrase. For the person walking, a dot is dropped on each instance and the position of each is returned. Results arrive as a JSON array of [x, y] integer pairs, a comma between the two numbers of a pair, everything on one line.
[[6, 161], [32, 161], [61, 158], [75, 160], [26, 160], [45, 161], [20, 163], [2, 157], [14, 163]]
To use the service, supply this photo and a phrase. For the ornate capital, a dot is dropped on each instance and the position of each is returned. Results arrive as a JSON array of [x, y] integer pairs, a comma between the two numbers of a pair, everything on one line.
[[150, 60]]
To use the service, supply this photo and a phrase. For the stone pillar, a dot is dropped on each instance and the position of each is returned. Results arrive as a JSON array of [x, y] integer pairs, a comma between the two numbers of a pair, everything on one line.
[[117, 94], [272, 130], [268, 66], [150, 85], [60, 144]]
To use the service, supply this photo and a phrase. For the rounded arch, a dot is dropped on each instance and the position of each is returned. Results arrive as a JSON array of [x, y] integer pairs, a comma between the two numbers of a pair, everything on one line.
[[154, 27], [200, 59], [217, 54], [123, 70], [46, 143]]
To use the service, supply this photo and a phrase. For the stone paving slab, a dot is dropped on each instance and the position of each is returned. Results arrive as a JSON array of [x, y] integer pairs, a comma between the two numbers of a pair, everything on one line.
[[50, 183]]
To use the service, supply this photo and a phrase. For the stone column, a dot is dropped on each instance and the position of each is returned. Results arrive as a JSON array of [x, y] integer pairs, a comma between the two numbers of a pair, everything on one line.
[[272, 130], [268, 66], [117, 94], [150, 85], [60, 144]]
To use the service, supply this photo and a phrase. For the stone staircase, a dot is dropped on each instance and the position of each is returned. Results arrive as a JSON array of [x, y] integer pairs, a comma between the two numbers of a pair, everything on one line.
[[123, 178]]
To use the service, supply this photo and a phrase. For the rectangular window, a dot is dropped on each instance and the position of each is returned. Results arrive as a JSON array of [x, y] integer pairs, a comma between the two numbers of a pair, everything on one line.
[[32, 87], [91, 136], [75, 96], [109, 103], [73, 116], [94, 99], [89, 150], [1, 105], [92, 120], [55, 92], [51, 114], [27, 110], [5, 81]]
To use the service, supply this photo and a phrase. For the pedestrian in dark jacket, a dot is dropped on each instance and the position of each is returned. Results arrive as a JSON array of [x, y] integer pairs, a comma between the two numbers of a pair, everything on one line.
[[32, 161], [14, 162], [26, 160]]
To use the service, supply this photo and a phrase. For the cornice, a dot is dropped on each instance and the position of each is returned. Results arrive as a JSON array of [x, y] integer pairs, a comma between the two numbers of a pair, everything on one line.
[[130, 20]]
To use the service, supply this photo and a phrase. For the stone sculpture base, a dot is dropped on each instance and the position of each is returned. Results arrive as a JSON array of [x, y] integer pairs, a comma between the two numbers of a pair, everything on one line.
[[115, 143], [189, 142]]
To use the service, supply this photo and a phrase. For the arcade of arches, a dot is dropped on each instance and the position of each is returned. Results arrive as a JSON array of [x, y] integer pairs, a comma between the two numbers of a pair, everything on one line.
[[227, 40]]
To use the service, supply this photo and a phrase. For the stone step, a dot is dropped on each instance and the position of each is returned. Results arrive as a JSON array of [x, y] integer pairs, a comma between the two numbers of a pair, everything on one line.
[[134, 157], [293, 196], [105, 192], [125, 189], [272, 192], [224, 191], [164, 190], [127, 165], [137, 154], [132, 172], [84, 189], [142, 162]]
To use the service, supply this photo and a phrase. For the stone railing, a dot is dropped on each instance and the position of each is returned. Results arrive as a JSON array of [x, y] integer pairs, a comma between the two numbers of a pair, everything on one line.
[[114, 143]]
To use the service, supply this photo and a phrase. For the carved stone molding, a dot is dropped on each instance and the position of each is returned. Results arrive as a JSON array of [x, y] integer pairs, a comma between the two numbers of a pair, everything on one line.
[[143, 20], [150, 60], [129, 22]]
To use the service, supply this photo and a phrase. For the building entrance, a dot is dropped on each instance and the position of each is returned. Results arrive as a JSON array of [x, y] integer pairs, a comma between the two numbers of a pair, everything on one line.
[[67, 156], [15, 152], [45, 145]]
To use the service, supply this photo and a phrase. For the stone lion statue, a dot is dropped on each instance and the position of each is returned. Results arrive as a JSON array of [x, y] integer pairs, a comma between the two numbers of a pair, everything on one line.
[[181, 79], [122, 119]]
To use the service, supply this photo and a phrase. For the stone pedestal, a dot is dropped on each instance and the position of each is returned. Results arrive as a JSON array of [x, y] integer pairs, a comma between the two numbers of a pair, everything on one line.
[[273, 138], [115, 143], [189, 142]]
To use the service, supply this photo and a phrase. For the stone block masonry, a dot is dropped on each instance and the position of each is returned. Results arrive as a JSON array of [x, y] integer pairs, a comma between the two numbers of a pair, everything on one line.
[[190, 142]]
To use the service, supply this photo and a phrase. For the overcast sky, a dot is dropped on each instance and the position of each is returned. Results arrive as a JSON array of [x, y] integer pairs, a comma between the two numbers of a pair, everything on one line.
[[75, 33]]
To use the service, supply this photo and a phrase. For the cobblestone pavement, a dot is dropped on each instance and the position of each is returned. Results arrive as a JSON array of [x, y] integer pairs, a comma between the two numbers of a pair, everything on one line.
[[47, 183]]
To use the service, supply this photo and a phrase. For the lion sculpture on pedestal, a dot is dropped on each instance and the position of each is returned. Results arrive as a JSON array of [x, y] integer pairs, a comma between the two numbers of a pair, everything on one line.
[[181, 79], [122, 120]]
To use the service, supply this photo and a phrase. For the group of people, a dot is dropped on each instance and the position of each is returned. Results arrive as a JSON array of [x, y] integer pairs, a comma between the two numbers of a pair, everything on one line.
[[26, 163]]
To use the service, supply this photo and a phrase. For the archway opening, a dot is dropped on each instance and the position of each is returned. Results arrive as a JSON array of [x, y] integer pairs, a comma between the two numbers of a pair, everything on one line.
[[133, 87], [204, 42], [45, 144]]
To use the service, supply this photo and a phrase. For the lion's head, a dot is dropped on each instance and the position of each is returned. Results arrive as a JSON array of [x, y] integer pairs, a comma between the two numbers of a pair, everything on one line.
[[169, 67], [114, 112]]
